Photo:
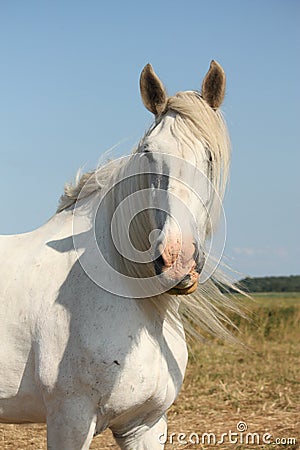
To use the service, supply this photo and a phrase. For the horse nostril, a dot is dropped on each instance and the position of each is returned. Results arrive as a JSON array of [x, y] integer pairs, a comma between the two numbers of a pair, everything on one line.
[[159, 264], [200, 264], [199, 258]]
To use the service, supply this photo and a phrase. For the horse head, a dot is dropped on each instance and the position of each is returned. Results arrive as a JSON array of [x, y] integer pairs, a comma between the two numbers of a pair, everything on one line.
[[181, 155]]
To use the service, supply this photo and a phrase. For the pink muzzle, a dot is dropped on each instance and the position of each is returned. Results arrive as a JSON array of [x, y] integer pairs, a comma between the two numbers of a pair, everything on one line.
[[178, 265]]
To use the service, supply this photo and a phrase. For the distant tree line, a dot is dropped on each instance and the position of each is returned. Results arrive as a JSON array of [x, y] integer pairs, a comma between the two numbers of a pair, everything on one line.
[[271, 284]]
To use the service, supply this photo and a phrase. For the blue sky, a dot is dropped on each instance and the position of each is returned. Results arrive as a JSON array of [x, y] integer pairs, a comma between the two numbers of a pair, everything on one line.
[[69, 91]]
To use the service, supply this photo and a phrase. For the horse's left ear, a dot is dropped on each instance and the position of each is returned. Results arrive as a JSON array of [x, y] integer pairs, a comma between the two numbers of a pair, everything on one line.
[[153, 93], [213, 86]]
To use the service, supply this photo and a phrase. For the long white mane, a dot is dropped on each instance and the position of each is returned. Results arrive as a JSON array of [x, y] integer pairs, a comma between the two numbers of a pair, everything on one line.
[[195, 121]]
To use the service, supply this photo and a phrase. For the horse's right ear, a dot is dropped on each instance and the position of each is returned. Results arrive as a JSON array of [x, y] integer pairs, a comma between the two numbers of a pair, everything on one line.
[[153, 93]]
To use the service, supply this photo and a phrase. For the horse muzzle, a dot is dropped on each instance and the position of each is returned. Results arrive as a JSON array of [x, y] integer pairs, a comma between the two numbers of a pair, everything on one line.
[[179, 267]]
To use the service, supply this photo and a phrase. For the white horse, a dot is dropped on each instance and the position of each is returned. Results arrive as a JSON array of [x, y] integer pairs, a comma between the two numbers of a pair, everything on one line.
[[90, 335]]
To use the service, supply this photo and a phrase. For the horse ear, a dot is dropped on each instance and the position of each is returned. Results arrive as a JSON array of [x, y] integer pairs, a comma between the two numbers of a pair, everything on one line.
[[153, 93], [213, 86]]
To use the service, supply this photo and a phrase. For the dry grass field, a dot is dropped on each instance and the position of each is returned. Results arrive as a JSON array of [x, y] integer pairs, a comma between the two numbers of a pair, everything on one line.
[[226, 387]]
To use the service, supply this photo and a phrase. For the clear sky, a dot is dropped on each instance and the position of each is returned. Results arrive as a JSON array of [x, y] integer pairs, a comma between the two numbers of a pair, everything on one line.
[[69, 91]]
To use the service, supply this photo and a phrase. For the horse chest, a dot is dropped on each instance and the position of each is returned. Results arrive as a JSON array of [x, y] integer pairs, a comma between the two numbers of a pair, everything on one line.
[[146, 383], [133, 371]]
